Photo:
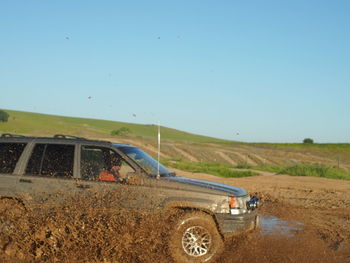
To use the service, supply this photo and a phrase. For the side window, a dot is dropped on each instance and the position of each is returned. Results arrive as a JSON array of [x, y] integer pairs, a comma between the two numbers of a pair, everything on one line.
[[92, 162], [103, 164], [9, 156], [55, 160], [35, 161]]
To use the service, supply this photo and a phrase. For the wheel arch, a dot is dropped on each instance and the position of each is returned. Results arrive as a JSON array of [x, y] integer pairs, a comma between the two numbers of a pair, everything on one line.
[[187, 216], [188, 209]]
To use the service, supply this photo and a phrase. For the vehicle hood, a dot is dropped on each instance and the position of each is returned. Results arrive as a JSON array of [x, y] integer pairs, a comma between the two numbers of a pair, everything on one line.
[[227, 189]]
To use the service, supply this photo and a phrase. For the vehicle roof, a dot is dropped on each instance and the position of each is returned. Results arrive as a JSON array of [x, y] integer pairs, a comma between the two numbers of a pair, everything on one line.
[[7, 137]]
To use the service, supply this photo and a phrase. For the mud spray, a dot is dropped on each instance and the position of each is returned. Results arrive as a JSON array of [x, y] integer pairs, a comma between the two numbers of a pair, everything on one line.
[[82, 231]]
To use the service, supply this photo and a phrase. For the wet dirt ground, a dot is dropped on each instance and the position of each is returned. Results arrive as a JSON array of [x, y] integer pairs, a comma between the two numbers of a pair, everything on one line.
[[305, 219], [302, 220]]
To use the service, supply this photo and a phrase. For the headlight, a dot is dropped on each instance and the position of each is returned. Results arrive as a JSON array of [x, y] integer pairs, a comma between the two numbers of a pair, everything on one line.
[[242, 204], [234, 205], [237, 202]]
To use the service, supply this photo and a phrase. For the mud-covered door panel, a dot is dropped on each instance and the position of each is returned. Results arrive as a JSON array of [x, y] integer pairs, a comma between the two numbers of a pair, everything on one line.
[[48, 178], [103, 174], [109, 181]]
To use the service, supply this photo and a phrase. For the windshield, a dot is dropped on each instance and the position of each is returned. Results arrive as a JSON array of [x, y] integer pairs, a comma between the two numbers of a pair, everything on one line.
[[145, 161]]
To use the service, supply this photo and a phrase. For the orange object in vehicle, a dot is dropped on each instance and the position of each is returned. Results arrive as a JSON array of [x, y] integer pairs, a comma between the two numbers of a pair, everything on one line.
[[106, 176]]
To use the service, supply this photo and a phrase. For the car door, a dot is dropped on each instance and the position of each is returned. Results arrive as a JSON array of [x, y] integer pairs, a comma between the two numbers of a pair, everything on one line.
[[132, 191], [48, 178], [94, 186]]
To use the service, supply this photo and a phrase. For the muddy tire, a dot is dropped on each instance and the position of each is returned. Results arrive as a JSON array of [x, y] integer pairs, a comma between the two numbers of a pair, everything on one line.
[[195, 238]]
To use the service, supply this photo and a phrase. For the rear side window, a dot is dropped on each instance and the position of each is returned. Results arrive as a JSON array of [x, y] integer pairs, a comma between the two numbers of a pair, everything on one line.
[[54, 160], [9, 156]]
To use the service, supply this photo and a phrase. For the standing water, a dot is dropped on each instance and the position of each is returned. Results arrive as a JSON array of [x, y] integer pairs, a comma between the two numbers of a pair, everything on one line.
[[273, 225]]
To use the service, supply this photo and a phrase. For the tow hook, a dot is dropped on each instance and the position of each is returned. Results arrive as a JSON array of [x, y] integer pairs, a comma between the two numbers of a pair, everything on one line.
[[253, 203]]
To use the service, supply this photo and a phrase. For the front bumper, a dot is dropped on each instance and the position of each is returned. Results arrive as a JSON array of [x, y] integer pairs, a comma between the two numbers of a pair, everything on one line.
[[232, 224]]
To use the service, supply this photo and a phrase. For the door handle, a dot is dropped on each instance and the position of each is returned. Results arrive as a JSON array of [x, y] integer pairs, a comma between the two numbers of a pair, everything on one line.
[[25, 181], [83, 186]]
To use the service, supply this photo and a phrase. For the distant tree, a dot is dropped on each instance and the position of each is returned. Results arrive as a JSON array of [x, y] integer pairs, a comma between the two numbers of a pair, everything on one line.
[[308, 141], [4, 116], [121, 131]]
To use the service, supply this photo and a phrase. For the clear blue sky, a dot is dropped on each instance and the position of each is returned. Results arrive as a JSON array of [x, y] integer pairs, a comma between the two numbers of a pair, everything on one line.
[[255, 71]]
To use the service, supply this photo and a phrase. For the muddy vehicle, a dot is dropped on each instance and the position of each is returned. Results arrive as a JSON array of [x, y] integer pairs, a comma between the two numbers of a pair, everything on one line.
[[42, 172]]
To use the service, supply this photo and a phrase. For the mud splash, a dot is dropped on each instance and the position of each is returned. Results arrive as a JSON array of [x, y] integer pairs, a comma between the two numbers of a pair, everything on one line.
[[76, 233], [79, 232]]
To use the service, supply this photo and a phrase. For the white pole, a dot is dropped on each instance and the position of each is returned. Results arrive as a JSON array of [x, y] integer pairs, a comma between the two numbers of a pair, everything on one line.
[[158, 175]]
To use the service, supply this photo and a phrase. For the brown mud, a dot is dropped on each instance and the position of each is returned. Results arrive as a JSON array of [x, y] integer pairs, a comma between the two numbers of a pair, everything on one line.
[[76, 233], [318, 210], [315, 211]]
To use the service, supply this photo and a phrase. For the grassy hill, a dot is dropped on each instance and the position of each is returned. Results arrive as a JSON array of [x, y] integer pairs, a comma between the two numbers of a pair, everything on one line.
[[28, 123], [194, 152]]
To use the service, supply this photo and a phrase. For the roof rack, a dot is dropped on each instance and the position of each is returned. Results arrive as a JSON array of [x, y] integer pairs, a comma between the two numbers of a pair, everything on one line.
[[65, 136], [10, 135]]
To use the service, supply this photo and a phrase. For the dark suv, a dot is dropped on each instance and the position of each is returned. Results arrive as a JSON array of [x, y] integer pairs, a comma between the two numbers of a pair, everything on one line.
[[43, 171]]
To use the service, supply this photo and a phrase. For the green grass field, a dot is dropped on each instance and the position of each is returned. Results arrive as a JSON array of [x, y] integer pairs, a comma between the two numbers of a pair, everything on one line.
[[316, 171], [199, 147], [27, 123], [305, 170]]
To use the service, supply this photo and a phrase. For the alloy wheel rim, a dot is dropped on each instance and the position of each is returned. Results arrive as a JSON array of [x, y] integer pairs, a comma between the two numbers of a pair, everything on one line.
[[196, 241]]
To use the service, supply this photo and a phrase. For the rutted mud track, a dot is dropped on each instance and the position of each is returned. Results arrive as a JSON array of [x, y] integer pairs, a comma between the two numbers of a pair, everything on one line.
[[75, 232]]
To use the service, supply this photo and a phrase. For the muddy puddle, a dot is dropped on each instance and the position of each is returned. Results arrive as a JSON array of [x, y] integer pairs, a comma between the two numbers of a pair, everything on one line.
[[278, 240], [270, 225]]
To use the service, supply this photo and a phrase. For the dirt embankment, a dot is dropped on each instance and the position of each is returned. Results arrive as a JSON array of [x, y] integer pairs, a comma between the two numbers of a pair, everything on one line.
[[319, 208]]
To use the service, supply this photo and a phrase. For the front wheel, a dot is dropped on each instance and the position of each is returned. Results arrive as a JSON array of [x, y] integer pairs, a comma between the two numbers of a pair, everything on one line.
[[195, 238]]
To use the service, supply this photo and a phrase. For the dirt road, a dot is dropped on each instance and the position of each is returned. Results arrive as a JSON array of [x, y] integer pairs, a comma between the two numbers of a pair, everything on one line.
[[303, 220]]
